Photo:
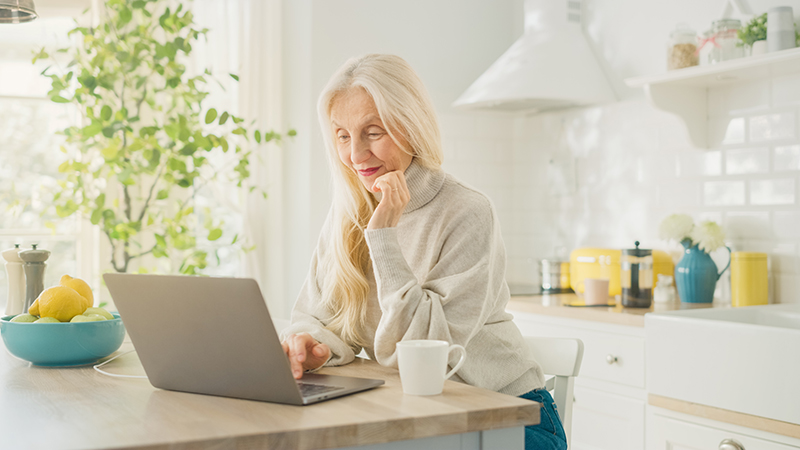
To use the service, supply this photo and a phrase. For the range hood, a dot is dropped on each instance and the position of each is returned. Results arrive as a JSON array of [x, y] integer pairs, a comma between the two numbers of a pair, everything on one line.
[[551, 66]]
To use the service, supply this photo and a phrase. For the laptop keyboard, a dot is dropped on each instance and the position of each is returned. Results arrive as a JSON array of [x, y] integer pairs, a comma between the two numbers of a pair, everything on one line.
[[309, 389]]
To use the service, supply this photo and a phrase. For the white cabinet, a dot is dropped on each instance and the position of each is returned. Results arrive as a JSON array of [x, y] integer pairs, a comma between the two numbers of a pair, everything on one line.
[[609, 406], [670, 430]]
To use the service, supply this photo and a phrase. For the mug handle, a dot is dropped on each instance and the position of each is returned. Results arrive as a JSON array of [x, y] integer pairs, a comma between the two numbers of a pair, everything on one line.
[[460, 361]]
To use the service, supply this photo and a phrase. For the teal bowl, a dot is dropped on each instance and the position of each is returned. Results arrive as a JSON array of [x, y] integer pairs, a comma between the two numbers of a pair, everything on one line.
[[62, 344]]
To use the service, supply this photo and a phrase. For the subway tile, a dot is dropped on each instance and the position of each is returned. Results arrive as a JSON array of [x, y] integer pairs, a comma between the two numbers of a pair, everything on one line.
[[492, 126], [723, 193], [677, 195], [786, 224], [772, 192], [699, 163], [708, 216], [749, 160], [783, 258], [786, 158], [453, 124], [786, 288], [772, 126], [747, 225], [726, 131], [786, 90]]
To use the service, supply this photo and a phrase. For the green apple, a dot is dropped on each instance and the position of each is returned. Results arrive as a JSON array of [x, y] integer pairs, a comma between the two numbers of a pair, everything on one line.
[[87, 318], [24, 318], [98, 311], [47, 320]]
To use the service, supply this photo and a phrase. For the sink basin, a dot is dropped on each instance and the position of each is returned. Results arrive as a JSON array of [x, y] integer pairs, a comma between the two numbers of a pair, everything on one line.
[[739, 359]]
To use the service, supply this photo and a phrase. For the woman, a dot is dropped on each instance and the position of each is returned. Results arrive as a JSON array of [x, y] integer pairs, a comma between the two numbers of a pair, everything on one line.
[[407, 251]]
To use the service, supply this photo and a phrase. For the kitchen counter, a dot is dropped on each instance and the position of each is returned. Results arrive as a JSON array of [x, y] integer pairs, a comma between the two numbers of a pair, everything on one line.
[[59, 408], [558, 305]]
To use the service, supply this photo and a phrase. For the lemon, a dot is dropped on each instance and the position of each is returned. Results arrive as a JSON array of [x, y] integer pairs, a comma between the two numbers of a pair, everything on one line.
[[34, 308], [99, 311], [80, 286], [61, 303]]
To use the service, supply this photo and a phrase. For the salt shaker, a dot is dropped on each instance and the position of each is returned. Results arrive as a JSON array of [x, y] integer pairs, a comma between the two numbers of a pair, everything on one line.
[[34, 265], [780, 28], [16, 281]]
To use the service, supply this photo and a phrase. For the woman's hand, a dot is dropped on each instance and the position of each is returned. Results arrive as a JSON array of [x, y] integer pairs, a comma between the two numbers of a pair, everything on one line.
[[394, 198], [305, 353]]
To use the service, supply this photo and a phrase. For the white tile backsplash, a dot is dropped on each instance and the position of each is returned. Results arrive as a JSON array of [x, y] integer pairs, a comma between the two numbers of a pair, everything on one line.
[[748, 160], [786, 158], [635, 165], [772, 192], [772, 126], [723, 193]]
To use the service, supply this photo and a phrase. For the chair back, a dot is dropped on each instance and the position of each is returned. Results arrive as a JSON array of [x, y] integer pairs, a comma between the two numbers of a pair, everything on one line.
[[561, 358]]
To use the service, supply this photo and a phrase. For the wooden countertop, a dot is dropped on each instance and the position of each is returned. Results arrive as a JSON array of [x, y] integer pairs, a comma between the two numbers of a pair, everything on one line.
[[558, 305], [60, 408]]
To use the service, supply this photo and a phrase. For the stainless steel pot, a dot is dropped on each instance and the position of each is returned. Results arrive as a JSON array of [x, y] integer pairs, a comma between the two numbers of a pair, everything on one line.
[[555, 276]]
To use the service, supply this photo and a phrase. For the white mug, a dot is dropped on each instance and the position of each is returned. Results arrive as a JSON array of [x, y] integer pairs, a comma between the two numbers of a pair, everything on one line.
[[423, 364]]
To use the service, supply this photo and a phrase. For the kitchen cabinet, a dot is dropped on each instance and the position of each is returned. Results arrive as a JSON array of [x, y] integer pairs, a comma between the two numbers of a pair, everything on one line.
[[609, 398], [670, 430], [684, 92]]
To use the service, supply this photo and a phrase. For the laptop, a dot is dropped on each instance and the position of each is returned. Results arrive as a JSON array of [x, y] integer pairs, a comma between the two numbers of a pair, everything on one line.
[[214, 336]]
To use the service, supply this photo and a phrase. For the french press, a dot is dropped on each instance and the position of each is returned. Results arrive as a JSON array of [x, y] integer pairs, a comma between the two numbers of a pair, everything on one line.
[[637, 277]]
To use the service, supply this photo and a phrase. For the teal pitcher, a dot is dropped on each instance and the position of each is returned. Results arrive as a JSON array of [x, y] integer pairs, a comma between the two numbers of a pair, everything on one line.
[[696, 274]]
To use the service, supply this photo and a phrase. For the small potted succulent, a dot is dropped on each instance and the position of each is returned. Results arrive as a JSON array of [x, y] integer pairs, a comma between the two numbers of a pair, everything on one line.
[[695, 274]]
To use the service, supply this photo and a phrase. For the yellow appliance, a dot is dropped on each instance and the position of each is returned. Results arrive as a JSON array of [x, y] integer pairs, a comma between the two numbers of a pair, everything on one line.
[[604, 263]]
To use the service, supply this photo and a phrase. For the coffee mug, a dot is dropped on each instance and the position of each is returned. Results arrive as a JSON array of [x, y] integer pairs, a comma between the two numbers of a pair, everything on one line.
[[423, 364], [595, 291]]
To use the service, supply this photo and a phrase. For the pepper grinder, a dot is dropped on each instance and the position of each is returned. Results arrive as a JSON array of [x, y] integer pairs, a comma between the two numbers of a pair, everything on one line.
[[16, 281], [34, 265]]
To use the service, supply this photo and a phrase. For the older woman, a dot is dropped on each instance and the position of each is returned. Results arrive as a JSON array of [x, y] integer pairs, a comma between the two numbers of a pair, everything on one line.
[[407, 251]]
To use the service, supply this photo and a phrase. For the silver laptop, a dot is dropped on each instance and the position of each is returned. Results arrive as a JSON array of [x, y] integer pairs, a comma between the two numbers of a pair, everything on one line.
[[214, 336]]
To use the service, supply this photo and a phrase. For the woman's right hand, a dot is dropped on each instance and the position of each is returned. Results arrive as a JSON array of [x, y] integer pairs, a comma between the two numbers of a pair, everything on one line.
[[305, 353]]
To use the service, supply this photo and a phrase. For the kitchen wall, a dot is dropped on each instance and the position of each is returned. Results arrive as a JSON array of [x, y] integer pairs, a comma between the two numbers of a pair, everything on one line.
[[600, 176]]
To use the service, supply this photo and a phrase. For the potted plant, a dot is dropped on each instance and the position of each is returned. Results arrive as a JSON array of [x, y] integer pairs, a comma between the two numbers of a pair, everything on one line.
[[754, 35], [695, 274], [146, 141]]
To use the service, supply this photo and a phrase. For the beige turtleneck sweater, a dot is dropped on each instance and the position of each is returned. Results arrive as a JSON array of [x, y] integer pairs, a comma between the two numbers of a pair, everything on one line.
[[440, 274]]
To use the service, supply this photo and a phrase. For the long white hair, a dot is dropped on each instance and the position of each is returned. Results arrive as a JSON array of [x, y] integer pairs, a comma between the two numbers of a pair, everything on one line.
[[408, 115]]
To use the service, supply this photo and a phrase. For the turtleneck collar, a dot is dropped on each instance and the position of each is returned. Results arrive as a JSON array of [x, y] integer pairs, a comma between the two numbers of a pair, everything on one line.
[[423, 184]]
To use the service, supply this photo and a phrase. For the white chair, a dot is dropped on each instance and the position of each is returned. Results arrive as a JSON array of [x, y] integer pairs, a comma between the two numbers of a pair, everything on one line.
[[560, 357]]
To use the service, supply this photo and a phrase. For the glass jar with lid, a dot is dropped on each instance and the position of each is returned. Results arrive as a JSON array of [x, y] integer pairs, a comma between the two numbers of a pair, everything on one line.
[[682, 48], [726, 43]]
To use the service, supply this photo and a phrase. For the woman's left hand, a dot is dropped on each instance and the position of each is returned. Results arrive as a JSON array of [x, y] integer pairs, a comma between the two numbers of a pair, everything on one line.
[[394, 198]]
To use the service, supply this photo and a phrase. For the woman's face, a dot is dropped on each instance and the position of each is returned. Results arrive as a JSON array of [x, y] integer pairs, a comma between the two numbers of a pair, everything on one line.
[[362, 141]]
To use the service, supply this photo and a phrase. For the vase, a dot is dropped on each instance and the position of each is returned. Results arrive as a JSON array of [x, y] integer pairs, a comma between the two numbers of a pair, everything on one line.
[[696, 275]]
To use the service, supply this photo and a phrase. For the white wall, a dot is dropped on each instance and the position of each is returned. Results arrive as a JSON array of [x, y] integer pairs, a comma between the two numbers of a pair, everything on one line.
[[634, 164]]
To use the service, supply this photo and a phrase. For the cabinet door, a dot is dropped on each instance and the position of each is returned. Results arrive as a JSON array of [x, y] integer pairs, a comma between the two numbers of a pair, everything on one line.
[[605, 421], [670, 433]]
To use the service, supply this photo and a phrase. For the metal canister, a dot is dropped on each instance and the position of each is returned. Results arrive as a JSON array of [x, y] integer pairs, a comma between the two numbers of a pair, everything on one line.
[[555, 276], [749, 283]]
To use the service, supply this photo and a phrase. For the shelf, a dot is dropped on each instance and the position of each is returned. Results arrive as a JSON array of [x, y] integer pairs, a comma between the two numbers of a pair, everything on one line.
[[684, 91]]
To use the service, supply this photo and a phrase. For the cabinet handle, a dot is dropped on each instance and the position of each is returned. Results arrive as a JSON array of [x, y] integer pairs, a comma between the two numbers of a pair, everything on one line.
[[611, 359], [730, 444]]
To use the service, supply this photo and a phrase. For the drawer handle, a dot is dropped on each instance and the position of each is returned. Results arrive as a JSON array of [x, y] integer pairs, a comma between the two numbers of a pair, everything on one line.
[[611, 359], [730, 444]]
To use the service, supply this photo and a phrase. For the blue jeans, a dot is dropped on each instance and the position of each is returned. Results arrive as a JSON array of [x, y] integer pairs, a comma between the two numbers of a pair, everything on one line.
[[549, 433]]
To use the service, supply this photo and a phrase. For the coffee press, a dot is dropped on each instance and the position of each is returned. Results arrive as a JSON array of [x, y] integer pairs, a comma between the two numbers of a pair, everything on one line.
[[637, 277]]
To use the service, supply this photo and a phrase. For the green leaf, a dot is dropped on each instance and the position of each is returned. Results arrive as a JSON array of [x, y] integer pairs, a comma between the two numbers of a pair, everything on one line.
[[162, 194], [161, 241], [59, 99], [292, 133], [92, 130], [257, 135], [214, 234], [235, 77], [105, 113], [211, 115], [223, 118], [240, 131], [97, 214]]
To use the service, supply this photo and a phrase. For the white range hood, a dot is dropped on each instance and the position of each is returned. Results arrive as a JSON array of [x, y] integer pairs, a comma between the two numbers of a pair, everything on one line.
[[551, 66]]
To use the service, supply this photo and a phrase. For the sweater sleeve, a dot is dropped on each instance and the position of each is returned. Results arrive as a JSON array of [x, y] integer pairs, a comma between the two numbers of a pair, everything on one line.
[[310, 315], [457, 296]]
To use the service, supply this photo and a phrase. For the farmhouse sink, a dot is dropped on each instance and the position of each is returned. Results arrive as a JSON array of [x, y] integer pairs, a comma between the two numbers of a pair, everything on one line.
[[739, 359]]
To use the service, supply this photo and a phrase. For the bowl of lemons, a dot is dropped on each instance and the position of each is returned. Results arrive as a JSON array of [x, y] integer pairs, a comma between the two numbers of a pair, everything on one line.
[[62, 328]]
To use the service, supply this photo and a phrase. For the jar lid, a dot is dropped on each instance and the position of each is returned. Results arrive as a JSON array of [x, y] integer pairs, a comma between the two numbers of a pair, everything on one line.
[[726, 23], [683, 28], [637, 251], [748, 255]]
